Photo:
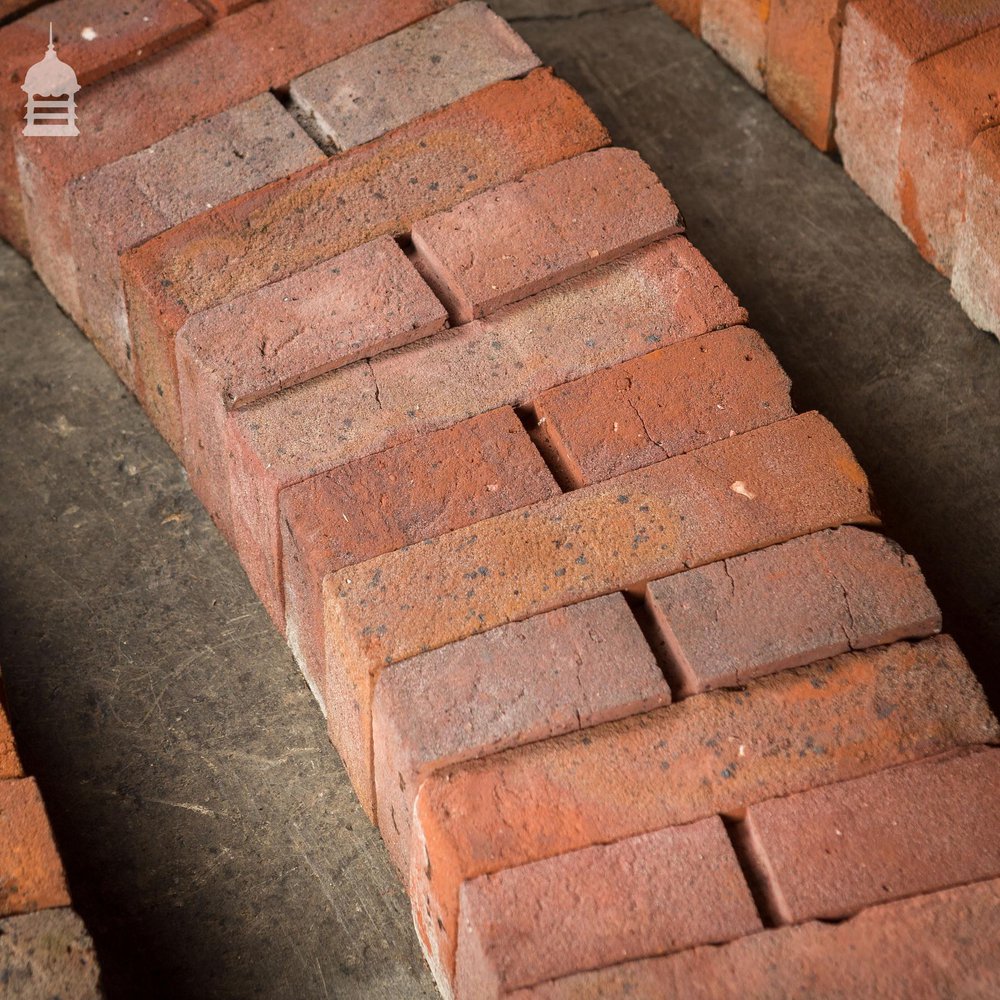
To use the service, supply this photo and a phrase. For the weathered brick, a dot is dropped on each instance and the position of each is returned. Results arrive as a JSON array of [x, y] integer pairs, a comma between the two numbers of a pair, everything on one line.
[[941, 945], [737, 30], [685, 12], [10, 765], [663, 404], [127, 202], [445, 480], [834, 720], [31, 874], [782, 607], [564, 670], [648, 895], [554, 223], [829, 852], [223, 8], [317, 320], [950, 98], [882, 40], [377, 189], [427, 66]]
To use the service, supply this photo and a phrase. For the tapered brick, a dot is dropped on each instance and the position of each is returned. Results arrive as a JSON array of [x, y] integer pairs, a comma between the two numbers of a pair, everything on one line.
[[525, 236], [663, 404], [427, 66], [10, 765], [737, 30], [648, 895], [786, 606], [445, 480], [564, 670], [685, 12], [835, 720]]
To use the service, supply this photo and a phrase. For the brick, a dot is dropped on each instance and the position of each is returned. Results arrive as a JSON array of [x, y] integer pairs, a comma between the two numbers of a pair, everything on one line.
[[685, 12], [444, 480], [129, 201], [427, 66], [661, 294], [941, 945], [832, 592], [951, 97], [835, 720], [223, 8], [975, 280], [663, 404], [31, 875], [526, 681], [554, 223], [315, 321], [378, 189], [652, 894], [882, 40], [829, 852], [737, 31], [803, 38], [10, 765], [234, 59]]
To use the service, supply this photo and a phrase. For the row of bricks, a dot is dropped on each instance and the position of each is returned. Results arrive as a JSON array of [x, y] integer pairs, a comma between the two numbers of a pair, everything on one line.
[[906, 91]]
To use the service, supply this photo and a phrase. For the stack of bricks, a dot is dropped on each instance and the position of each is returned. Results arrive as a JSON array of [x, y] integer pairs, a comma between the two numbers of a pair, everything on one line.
[[908, 92], [604, 632]]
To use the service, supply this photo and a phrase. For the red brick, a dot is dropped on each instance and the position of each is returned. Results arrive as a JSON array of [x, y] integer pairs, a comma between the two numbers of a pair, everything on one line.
[[315, 321], [832, 851], [445, 480], [685, 12], [564, 670], [127, 202], [377, 189], [835, 720], [648, 895], [663, 404], [942, 945], [658, 295], [951, 97], [829, 593], [882, 40], [10, 766], [737, 30], [803, 38], [31, 875], [223, 8], [427, 66], [554, 223]]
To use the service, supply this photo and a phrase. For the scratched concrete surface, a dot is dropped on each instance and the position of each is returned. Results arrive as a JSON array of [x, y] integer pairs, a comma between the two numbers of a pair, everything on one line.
[[212, 841]]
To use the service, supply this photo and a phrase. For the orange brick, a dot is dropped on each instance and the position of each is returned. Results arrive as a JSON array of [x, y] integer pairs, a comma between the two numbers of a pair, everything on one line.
[[737, 31], [685, 12], [10, 765]]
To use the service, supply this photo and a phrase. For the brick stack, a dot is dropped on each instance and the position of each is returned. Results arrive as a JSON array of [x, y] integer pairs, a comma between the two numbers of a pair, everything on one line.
[[604, 631], [906, 91]]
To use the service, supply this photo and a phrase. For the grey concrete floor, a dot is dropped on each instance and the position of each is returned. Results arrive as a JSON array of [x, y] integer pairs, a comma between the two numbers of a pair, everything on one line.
[[212, 841]]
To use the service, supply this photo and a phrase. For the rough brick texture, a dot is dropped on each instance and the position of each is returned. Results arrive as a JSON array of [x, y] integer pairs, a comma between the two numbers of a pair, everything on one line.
[[785, 606], [564, 670], [10, 765], [737, 30], [515, 240]]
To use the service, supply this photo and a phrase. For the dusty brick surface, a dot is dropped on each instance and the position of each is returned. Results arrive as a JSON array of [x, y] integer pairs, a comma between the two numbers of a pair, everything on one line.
[[525, 236], [686, 12], [125, 203], [223, 8], [445, 480], [427, 66], [805, 600], [832, 851], [663, 404], [564, 670], [652, 894], [835, 720], [283, 334], [941, 945], [737, 30], [10, 764]]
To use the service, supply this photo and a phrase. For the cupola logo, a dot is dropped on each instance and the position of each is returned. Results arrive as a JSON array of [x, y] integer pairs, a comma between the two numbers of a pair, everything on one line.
[[51, 88]]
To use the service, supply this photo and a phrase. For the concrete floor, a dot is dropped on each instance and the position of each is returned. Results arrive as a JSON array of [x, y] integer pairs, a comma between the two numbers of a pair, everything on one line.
[[212, 841]]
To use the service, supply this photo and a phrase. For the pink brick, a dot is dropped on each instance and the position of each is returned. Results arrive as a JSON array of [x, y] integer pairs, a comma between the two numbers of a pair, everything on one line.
[[737, 30], [525, 236]]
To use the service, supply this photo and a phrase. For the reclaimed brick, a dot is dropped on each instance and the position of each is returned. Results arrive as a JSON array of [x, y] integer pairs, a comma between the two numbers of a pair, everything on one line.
[[663, 404], [554, 673], [378, 189], [10, 764], [685, 12], [554, 223], [444, 480], [737, 31], [717, 753], [653, 894], [427, 66], [832, 592]]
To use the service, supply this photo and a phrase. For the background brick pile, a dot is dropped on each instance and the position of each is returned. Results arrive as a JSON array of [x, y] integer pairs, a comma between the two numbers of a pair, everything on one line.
[[604, 632], [907, 92]]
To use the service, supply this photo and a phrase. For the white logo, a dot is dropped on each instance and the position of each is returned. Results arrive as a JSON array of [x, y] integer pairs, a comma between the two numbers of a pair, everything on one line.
[[51, 88]]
